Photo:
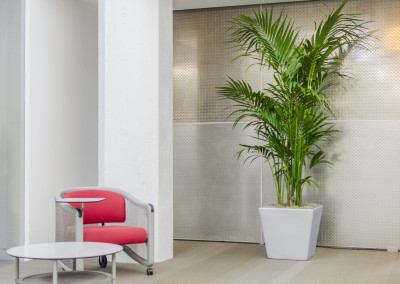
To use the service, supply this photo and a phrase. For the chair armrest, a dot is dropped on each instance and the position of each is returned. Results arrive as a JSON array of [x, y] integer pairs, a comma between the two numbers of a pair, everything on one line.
[[133, 200], [68, 208], [139, 203], [65, 206]]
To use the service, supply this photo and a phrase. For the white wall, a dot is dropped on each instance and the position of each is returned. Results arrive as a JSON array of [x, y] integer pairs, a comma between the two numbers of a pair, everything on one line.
[[11, 124], [61, 129], [135, 64]]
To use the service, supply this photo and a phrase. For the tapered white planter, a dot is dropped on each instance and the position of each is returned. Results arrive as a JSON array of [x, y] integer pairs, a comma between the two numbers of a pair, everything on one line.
[[290, 233]]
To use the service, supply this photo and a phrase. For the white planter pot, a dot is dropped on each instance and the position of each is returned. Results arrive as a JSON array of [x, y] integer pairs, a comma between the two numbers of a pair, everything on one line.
[[290, 233]]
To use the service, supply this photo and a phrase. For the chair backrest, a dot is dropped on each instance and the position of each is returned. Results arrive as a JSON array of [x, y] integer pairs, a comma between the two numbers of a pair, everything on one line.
[[110, 210]]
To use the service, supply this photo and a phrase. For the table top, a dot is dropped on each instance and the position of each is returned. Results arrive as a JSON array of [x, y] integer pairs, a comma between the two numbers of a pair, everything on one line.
[[79, 200], [64, 250]]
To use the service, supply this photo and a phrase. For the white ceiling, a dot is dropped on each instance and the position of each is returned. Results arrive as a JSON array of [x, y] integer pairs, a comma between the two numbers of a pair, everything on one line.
[[197, 4]]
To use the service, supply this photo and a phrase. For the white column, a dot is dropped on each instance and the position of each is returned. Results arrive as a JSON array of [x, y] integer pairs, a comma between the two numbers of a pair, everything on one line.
[[61, 98], [135, 106]]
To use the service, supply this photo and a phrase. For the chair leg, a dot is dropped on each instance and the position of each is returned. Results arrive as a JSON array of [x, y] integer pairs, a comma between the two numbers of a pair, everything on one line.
[[103, 261]]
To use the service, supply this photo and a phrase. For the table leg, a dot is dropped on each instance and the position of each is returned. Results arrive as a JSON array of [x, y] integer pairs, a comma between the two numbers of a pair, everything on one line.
[[55, 272], [114, 268], [16, 269]]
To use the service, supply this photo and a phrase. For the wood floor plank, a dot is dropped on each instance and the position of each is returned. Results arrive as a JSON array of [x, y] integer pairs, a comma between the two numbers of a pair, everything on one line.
[[219, 263]]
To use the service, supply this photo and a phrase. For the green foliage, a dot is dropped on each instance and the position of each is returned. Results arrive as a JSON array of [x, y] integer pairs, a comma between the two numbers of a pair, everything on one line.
[[290, 117]]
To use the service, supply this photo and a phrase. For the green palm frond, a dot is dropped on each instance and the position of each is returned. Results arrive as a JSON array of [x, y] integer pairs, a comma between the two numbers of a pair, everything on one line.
[[326, 50], [290, 117], [270, 42]]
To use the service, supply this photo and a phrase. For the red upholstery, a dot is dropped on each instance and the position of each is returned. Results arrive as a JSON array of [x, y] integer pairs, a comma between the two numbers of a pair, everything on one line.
[[119, 235], [112, 209]]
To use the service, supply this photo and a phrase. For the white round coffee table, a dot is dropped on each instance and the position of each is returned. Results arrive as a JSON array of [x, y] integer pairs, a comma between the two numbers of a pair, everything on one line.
[[64, 250]]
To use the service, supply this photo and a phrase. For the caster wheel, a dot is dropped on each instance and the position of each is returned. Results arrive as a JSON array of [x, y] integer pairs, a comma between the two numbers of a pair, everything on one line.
[[103, 261], [149, 271]]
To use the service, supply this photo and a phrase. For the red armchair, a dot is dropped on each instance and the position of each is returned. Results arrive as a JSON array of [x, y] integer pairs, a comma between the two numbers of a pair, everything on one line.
[[119, 219]]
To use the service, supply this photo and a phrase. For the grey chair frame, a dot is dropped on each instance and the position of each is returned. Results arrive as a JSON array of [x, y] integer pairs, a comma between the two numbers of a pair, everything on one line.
[[78, 224]]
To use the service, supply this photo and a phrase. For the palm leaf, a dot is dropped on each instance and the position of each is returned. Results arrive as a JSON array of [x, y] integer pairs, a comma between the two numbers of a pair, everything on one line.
[[289, 118]]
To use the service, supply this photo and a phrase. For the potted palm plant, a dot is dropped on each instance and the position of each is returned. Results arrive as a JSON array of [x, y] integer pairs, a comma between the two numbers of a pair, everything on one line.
[[290, 116]]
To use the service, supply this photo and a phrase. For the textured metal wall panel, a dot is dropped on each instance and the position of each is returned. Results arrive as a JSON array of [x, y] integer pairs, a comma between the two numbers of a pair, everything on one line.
[[216, 197], [360, 193], [372, 93], [202, 61]]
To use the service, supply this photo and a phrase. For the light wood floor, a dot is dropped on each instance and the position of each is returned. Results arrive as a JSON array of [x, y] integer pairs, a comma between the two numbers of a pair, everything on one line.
[[213, 262]]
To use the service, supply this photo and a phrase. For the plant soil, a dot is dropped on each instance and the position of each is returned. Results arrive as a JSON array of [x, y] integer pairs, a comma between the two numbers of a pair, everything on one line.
[[305, 206]]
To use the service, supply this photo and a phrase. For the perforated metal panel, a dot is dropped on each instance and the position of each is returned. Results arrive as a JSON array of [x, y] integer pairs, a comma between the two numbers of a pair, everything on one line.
[[373, 91], [216, 196], [202, 61], [360, 193]]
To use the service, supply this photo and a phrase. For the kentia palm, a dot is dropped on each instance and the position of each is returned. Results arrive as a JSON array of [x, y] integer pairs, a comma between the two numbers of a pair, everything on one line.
[[290, 117]]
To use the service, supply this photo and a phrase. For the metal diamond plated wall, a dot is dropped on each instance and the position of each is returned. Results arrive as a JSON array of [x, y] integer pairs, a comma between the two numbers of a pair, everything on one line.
[[216, 196]]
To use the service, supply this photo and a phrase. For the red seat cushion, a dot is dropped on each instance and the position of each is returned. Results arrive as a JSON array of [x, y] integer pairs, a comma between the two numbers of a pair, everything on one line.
[[110, 210], [119, 235]]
